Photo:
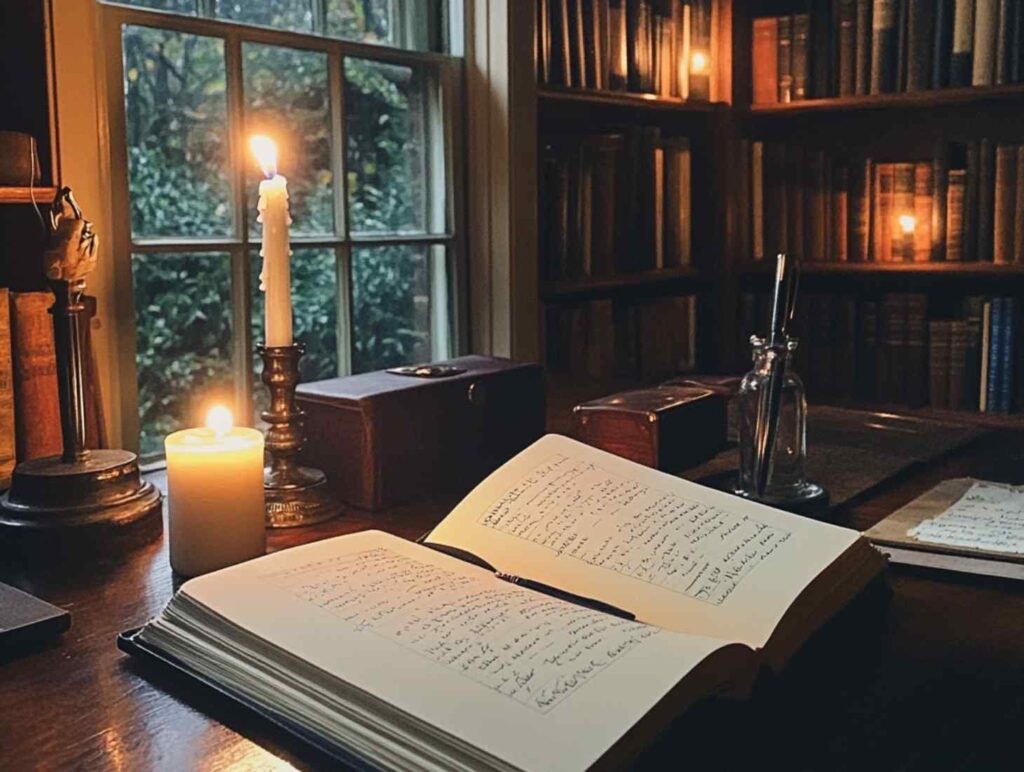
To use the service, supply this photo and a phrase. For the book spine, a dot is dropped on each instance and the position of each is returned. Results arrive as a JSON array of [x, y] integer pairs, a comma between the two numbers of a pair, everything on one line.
[[1018, 209], [7, 430], [973, 327], [578, 45], [684, 163], [971, 194], [785, 58], [1017, 44], [1003, 41], [939, 358], [1004, 204], [882, 216], [765, 60], [961, 64], [986, 344], [902, 242], [861, 176], [957, 363], [1007, 346], [618, 37], [942, 43], [543, 42], [591, 44], [795, 200], [986, 199], [994, 356], [801, 56], [700, 29], [840, 231], [658, 194], [915, 385], [846, 46], [940, 187], [955, 215], [920, 26], [683, 35], [757, 199], [924, 193], [884, 45], [862, 49], [820, 64], [986, 28], [37, 414], [815, 210]]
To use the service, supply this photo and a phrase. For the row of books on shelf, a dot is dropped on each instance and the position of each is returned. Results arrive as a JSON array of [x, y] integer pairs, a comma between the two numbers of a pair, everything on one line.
[[645, 338], [890, 350], [660, 47], [856, 47], [965, 203], [615, 203]]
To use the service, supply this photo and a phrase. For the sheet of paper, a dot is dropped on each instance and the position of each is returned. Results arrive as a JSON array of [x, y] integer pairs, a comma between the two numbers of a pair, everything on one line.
[[677, 554], [541, 683], [989, 516]]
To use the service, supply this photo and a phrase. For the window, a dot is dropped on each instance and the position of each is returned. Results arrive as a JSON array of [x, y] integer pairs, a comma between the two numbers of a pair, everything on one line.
[[362, 100]]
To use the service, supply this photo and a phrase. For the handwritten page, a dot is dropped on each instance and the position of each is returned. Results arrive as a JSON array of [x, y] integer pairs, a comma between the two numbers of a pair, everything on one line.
[[578, 509], [988, 516], [525, 645]]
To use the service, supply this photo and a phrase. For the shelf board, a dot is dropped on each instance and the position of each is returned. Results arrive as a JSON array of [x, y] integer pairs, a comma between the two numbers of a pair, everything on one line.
[[561, 95], [929, 269], [949, 97], [43, 196], [606, 285], [1013, 421]]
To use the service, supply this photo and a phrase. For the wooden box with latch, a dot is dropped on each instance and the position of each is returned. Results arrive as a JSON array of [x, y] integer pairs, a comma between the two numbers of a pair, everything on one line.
[[394, 436]]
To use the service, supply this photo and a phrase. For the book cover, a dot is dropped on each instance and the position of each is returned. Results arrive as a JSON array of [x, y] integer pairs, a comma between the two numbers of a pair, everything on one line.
[[765, 60], [924, 192], [916, 377], [846, 49], [1018, 210], [940, 191], [801, 56], [677, 214], [840, 203], [785, 58], [994, 354], [955, 215], [971, 195], [884, 46], [862, 49], [757, 199], [1004, 204], [37, 414], [986, 199], [986, 345], [921, 16], [957, 363], [618, 53], [961, 65], [973, 313], [1004, 29], [986, 29], [939, 360], [7, 435], [561, 57], [1007, 348], [861, 179], [821, 65], [942, 43]]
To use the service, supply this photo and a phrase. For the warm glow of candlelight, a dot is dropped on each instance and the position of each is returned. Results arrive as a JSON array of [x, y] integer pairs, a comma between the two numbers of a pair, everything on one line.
[[698, 63], [219, 419], [265, 150], [907, 223]]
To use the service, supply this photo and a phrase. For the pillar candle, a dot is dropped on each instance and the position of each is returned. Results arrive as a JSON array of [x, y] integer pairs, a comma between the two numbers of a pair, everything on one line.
[[275, 277], [215, 495]]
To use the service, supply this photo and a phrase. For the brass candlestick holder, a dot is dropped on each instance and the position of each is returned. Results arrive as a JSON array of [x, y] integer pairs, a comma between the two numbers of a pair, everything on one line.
[[295, 495]]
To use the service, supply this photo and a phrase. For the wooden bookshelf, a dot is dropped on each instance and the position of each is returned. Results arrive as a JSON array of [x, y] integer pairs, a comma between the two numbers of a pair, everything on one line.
[[608, 285], [554, 95], [961, 270], [43, 196], [974, 96]]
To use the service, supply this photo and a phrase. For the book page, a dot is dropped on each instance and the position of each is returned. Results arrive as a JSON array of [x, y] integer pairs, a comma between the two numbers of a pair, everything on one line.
[[988, 516], [678, 555], [449, 643]]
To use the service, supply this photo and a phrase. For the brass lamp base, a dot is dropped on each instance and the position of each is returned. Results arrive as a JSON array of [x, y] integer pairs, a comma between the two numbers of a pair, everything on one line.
[[102, 495]]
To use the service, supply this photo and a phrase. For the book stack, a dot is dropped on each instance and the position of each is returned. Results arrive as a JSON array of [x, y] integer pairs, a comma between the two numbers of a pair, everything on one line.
[[888, 349], [660, 47], [964, 203], [857, 47], [615, 203], [644, 338]]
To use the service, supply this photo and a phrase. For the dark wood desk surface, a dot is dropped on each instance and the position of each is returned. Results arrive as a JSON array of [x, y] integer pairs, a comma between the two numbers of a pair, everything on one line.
[[931, 677]]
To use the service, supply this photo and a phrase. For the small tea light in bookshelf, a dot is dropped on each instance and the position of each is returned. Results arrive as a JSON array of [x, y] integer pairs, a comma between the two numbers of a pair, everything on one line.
[[907, 223], [699, 63], [215, 495]]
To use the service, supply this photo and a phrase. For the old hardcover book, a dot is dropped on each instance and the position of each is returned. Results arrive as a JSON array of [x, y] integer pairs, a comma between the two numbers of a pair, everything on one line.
[[683, 34], [920, 31], [846, 48], [916, 361], [940, 189], [577, 45], [757, 199], [659, 207], [701, 40], [1007, 8], [957, 363], [606, 154], [839, 233], [7, 445], [942, 43], [924, 192], [676, 215], [765, 60], [961, 64], [1018, 211], [591, 44], [1004, 204], [939, 358], [37, 414], [971, 196], [801, 56], [884, 46], [561, 57], [862, 50], [313, 636], [823, 64], [665, 54], [884, 212], [1007, 350], [618, 56], [986, 29], [861, 180], [785, 58], [543, 42], [815, 205], [955, 215], [973, 314], [986, 199]]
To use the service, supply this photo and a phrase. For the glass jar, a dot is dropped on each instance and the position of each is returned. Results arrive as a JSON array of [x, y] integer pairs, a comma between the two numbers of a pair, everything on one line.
[[786, 477]]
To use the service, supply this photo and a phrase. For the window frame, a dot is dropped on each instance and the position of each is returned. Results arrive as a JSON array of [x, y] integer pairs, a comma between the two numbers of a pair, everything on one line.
[[445, 130]]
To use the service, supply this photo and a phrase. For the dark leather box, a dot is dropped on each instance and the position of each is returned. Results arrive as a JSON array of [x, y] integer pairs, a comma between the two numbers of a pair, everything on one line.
[[669, 427], [384, 439]]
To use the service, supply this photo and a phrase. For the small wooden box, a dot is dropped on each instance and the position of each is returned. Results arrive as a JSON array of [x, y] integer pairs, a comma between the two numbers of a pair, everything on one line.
[[383, 438], [669, 428]]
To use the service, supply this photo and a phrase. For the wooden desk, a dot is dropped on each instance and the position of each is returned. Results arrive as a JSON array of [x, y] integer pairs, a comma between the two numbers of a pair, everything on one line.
[[932, 678]]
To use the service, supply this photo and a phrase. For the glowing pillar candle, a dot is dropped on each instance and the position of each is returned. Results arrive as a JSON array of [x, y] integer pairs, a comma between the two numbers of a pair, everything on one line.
[[215, 495], [275, 278]]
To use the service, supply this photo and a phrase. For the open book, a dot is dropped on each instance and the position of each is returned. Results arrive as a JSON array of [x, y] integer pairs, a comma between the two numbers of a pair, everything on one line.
[[403, 656]]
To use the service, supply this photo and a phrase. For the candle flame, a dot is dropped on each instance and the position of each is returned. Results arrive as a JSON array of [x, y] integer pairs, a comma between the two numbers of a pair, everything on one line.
[[907, 223], [220, 420], [698, 63], [265, 150]]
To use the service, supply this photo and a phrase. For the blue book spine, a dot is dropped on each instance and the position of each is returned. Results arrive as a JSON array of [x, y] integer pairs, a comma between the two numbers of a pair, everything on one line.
[[1007, 344], [994, 354]]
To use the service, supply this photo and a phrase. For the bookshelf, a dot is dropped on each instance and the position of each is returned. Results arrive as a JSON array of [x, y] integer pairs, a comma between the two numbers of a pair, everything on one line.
[[898, 127], [43, 196]]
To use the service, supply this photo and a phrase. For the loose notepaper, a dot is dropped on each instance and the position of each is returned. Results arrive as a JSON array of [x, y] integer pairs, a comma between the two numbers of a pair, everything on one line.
[[987, 517]]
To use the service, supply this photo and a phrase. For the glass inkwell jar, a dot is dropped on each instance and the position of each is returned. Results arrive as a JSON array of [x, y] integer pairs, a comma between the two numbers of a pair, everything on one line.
[[787, 486]]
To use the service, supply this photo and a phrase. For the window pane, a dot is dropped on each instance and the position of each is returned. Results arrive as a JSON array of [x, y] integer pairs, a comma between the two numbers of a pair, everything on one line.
[[296, 15], [286, 97], [314, 316], [183, 340], [388, 169], [413, 24], [390, 306], [176, 115]]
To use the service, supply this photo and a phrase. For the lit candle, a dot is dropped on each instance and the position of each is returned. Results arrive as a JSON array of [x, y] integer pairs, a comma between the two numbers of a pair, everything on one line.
[[215, 495], [275, 278]]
